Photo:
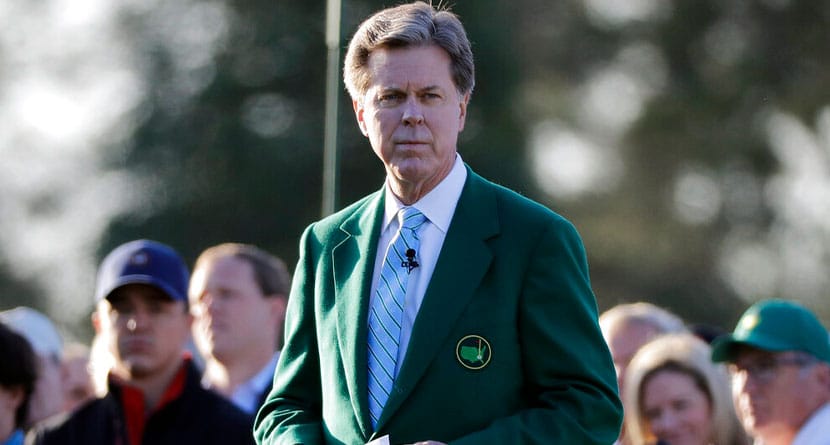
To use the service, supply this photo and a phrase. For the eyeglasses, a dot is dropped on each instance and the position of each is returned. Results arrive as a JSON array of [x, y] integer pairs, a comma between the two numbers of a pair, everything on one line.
[[766, 369]]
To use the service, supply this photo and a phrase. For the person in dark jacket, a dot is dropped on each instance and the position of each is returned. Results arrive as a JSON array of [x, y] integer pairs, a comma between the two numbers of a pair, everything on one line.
[[154, 392], [18, 374]]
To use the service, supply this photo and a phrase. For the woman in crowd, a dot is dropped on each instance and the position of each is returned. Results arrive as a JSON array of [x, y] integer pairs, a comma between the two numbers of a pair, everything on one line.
[[675, 395]]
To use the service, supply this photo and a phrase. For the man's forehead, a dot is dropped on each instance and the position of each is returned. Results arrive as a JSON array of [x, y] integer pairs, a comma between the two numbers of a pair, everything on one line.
[[744, 353], [140, 292], [222, 271], [386, 62]]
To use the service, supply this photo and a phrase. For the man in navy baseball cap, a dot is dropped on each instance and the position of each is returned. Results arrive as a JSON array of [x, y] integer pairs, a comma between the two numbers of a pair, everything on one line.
[[154, 391]]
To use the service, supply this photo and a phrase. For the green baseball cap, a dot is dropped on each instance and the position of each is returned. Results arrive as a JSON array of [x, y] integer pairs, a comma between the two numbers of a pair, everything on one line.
[[775, 325]]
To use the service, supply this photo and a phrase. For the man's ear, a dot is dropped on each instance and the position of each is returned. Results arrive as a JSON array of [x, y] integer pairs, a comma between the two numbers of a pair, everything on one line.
[[96, 321], [277, 304], [188, 319], [462, 116], [823, 371], [358, 113], [16, 395]]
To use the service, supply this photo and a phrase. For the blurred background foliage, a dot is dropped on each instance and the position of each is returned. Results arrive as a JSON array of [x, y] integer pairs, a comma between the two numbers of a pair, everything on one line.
[[689, 141]]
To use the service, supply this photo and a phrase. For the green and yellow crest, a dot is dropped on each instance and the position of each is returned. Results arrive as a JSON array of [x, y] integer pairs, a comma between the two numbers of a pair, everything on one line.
[[473, 352]]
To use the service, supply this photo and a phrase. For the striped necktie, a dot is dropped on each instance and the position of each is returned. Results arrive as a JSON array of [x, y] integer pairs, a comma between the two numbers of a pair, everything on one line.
[[386, 309]]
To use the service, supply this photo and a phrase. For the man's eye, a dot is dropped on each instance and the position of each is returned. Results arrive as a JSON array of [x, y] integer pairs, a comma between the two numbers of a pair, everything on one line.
[[122, 310], [765, 366], [389, 98]]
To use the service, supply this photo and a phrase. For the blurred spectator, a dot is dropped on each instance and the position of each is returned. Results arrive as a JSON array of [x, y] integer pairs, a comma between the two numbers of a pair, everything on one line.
[[707, 332], [779, 359], [77, 382], [43, 336], [675, 395], [18, 373], [626, 327], [238, 294], [154, 393]]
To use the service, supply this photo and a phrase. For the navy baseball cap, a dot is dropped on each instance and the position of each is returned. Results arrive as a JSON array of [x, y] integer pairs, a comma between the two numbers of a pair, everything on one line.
[[143, 262], [775, 325]]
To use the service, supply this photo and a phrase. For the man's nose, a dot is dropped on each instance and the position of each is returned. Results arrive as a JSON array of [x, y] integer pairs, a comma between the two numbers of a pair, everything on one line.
[[750, 384], [207, 304], [413, 113], [137, 320]]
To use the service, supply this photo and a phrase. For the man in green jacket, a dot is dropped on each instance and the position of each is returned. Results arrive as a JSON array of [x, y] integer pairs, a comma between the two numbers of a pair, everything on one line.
[[442, 308]]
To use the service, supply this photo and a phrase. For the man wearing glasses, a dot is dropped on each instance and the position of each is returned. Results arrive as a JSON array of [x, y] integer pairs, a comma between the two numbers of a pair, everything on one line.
[[779, 360]]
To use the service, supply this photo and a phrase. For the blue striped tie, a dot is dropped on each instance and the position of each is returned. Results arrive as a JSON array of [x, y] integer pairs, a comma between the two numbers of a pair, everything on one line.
[[386, 309]]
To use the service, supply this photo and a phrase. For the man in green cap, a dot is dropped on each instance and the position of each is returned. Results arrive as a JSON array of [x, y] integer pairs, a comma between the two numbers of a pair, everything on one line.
[[779, 359]]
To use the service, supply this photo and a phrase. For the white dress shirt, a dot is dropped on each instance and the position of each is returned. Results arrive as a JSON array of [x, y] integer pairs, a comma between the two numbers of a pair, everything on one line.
[[248, 395], [816, 431], [439, 207]]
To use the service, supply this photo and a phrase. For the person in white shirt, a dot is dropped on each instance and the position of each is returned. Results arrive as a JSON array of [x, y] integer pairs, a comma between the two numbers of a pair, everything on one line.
[[779, 360], [238, 295]]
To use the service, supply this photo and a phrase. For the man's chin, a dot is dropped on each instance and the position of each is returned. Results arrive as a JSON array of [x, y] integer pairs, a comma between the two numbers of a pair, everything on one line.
[[138, 368], [756, 425]]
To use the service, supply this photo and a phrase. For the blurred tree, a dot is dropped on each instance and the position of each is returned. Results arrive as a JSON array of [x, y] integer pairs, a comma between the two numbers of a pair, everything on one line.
[[667, 108], [232, 138]]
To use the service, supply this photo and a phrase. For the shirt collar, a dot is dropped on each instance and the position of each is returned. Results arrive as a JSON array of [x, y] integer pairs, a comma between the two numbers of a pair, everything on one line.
[[265, 376], [16, 438], [247, 395], [438, 205]]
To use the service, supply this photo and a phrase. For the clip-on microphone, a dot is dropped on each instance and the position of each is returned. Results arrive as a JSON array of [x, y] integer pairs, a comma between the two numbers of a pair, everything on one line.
[[410, 262]]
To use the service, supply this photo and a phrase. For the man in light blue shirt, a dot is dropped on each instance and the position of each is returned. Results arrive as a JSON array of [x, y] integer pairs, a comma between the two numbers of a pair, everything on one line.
[[238, 295]]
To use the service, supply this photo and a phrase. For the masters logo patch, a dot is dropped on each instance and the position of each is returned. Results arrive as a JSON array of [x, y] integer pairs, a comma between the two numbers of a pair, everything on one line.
[[473, 352]]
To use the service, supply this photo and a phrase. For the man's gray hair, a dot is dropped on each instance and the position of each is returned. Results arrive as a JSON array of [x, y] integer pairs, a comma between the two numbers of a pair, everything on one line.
[[659, 319], [409, 25]]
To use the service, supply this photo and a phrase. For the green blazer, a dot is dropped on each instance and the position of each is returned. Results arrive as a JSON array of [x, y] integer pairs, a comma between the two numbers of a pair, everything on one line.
[[506, 348]]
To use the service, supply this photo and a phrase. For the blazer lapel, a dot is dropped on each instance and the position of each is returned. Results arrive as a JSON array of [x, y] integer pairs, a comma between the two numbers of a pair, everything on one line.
[[353, 263], [463, 261]]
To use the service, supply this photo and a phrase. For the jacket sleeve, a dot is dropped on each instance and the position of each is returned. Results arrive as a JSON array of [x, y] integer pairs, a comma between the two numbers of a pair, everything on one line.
[[292, 411]]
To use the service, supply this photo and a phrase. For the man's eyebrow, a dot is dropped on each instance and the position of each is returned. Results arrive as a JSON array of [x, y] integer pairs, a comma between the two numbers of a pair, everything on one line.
[[399, 88], [389, 88]]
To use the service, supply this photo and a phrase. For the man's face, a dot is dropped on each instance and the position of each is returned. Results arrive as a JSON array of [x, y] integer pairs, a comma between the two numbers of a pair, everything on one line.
[[774, 391], [77, 384], [412, 113], [47, 398], [623, 341], [147, 330], [231, 314], [10, 399]]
